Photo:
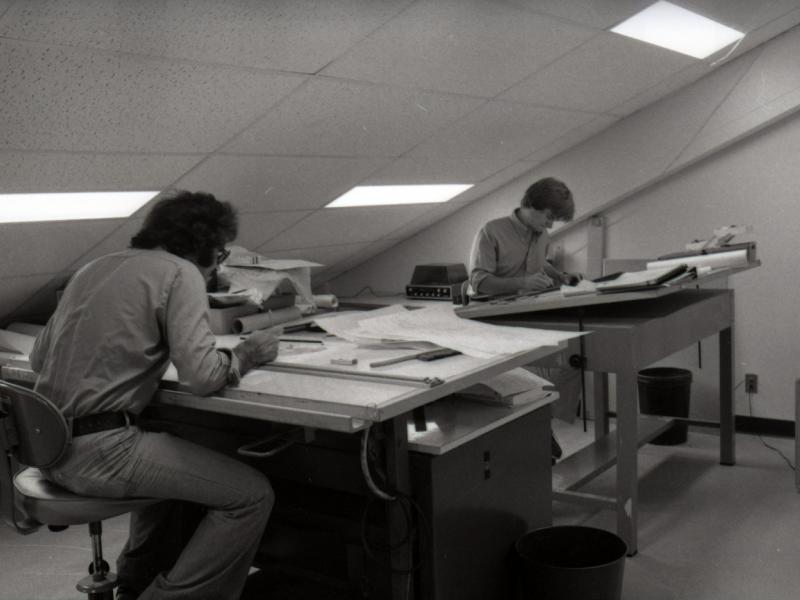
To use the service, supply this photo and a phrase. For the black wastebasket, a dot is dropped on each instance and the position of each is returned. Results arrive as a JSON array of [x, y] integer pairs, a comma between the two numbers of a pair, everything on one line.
[[666, 391], [571, 562]]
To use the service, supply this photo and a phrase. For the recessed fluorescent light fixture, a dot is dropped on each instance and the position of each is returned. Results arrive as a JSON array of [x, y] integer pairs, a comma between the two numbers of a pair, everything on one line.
[[678, 29], [72, 206], [380, 195]]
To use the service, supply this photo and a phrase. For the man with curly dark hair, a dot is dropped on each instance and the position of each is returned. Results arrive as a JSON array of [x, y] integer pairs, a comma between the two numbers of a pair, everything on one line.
[[510, 254], [120, 322]]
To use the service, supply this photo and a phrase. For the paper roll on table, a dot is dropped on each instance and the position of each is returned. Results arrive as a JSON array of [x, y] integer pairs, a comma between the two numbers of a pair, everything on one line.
[[718, 260], [326, 301], [265, 320]]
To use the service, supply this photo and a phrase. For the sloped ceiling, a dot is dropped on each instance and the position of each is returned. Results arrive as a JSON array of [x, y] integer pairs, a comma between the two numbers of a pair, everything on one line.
[[279, 106]]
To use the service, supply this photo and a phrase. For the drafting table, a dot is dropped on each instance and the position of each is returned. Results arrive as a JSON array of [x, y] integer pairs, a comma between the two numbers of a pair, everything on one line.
[[630, 331], [475, 466]]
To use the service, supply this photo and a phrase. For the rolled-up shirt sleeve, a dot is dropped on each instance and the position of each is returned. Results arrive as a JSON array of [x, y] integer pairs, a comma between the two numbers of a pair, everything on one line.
[[192, 349], [482, 259]]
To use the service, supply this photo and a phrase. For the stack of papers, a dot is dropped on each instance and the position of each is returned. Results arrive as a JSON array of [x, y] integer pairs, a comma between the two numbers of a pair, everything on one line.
[[512, 388]]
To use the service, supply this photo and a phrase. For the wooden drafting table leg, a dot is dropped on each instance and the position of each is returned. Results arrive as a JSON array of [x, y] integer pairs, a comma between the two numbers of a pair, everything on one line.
[[627, 448], [727, 433], [398, 478], [600, 389]]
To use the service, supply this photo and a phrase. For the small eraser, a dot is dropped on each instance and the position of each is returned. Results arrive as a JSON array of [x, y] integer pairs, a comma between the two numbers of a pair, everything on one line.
[[344, 361]]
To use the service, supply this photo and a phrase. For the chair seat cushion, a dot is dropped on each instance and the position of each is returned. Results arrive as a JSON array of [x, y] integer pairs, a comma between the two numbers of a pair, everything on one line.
[[51, 504]]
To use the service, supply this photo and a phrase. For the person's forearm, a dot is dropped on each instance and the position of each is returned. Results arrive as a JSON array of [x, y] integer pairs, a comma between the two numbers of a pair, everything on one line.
[[492, 285]]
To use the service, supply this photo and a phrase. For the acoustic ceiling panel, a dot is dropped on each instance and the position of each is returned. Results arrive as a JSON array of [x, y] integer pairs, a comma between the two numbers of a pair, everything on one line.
[[257, 228], [73, 172], [339, 118], [782, 78], [291, 35], [435, 170], [601, 14], [59, 98], [502, 129], [117, 240], [35, 248], [262, 183], [572, 138], [324, 255], [332, 226], [599, 75], [14, 290], [464, 46], [743, 15]]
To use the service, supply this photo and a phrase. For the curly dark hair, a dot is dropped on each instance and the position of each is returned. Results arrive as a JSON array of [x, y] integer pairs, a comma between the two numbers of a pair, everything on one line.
[[192, 225], [550, 193]]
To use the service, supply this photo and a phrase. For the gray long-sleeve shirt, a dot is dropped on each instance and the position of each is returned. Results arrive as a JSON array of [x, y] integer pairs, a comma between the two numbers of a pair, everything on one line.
[[121, 320], [506, 247]]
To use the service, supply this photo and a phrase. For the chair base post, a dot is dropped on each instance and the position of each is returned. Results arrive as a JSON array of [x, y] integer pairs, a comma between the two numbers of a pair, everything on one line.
[[100, 583]]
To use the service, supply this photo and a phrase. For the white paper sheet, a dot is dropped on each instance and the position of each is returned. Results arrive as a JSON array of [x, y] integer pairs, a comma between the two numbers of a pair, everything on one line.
[[440, 325]]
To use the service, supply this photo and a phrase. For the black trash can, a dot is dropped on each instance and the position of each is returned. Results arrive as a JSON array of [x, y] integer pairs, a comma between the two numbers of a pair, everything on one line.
[[666, 391], [571, 562]]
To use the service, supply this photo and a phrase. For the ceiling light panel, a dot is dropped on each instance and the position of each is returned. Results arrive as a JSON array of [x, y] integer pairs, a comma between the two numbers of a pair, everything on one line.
[[377, 195], [74, 206], [669, 26]]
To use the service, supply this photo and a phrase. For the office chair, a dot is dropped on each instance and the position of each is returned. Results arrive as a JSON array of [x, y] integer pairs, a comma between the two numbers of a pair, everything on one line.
[[33, 435]]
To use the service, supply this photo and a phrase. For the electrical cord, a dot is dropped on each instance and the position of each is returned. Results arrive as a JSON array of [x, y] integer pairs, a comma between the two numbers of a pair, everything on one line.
[[408, 507], [365, 469], [763, 441]]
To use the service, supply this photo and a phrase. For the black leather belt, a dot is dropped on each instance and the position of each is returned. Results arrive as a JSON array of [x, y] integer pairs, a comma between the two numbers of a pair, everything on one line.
[[100, 422]]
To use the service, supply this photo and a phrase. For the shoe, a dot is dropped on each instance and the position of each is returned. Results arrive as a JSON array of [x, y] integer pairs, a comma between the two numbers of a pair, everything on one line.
[[555, 448]]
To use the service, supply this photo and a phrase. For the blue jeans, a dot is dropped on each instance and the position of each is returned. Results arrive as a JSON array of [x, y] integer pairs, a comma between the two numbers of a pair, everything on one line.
[[129, 462]]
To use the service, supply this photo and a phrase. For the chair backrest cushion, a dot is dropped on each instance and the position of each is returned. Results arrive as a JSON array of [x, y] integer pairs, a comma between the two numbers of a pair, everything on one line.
[[34, 430]]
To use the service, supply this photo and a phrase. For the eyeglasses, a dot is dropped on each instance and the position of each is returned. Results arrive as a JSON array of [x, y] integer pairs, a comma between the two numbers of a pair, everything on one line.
[[222, 255]]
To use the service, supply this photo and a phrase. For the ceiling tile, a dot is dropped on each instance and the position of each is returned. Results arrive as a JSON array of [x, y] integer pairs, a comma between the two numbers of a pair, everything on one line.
[[34, 248], [781, 78], [463, 46], [15, 290], [369, 252], [58, 98], [601, 14], [501, 129], [291, 35], [602, 73], [435, 170], [257, 228], [116, 241], [71, 172], [744, 15], [262, 183], [338, 118], [324, 255], [330, 226], [572, 138]]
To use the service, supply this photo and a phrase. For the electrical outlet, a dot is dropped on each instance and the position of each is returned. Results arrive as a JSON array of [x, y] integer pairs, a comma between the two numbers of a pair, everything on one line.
[[751, 383]]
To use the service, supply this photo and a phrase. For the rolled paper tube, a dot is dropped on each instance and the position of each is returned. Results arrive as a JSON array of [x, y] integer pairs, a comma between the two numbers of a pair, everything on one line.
[[326, 301], [266, 319], [718, 260]]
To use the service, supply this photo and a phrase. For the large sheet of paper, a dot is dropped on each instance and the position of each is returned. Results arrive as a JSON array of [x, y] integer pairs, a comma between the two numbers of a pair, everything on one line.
[[441, 326]]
